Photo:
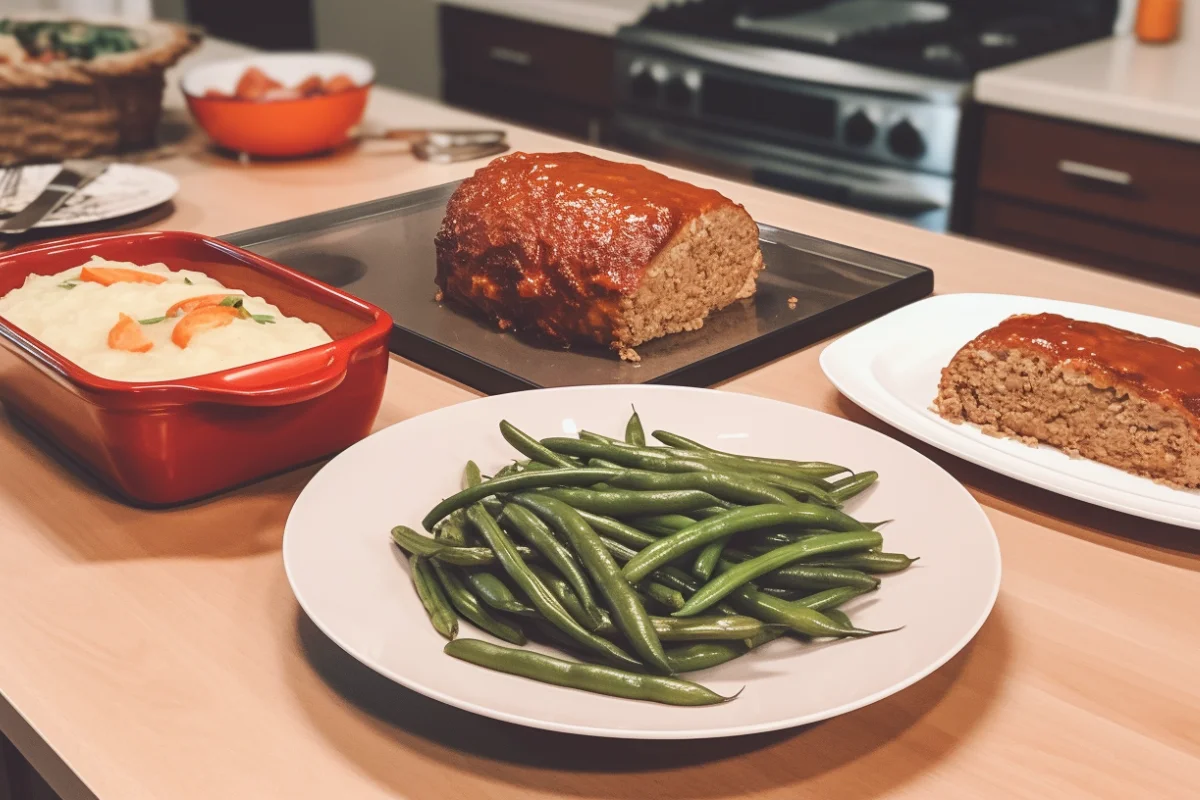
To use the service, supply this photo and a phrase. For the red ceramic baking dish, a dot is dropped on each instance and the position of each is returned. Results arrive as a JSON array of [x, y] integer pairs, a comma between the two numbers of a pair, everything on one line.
[[168, 442]]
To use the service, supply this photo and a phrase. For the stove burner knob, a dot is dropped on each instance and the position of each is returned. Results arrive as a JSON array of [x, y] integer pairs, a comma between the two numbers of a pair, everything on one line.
[[643, 86], [677, 93], [858, 130], [906, 141]]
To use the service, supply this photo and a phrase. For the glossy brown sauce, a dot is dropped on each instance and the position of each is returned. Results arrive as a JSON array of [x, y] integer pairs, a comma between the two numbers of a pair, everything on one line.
[[554, 241], [1154, 367]]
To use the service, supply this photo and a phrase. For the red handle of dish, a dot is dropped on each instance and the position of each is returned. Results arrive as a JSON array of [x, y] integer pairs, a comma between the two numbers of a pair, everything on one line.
[[281, 383]]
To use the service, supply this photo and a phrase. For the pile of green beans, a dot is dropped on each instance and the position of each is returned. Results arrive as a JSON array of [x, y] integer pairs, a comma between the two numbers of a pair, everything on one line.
[[643, 561]]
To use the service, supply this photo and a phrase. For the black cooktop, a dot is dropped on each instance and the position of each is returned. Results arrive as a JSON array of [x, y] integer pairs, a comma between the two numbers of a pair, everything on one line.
[[942, 38]]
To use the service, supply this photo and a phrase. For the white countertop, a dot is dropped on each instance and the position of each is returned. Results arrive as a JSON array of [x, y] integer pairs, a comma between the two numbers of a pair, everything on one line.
[[1116, 83], [601, 17]]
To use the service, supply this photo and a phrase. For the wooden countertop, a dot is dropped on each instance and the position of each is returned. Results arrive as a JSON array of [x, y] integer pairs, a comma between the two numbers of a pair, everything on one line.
[[149, 655]]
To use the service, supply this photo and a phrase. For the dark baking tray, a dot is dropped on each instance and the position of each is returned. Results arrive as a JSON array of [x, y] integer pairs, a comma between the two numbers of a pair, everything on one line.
[[382, 251]]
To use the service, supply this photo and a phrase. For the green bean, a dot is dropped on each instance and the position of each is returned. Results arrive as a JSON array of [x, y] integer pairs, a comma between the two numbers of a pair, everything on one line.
[[839, 617], [634, 434], [471, 475], [631, 456], [495, 593], [704, 655], [628, 613], [470, 607], [614, 529], [852, 485], [541, 597], [732, 488], [451, 531], [815, 469], [743, 573], [809, 578], [534, 531], [662, 524], [782, 594], [736, 521], [515, 468], [810, 489], [588, 677], [530, 447], [566, 596], [515, 483], [410, 541], [830, 598], [626, 503], [603, 464], [666, 597], [872, 562], [430, 593], [673, 629], [709, 557], [795, 615], [620, 552]]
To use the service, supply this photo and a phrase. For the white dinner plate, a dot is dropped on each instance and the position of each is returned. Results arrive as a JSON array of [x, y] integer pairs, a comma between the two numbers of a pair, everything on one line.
[[891, 367], [354, 584], [122, 189]]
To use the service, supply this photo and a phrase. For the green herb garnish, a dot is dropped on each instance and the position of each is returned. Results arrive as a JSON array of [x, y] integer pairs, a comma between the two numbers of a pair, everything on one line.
[[69, 284], [232, 301], [263, 319], [151, 321], [187, 280]]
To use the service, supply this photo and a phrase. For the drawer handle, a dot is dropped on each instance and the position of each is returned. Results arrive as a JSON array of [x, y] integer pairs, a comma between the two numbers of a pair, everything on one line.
[[509, 56], [1090, 171]]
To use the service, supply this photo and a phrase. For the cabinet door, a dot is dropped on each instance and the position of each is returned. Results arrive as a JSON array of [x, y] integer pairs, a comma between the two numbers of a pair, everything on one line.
[[267, 24], [526, 107], [544, 60], [1124, 177], [1151, 255]]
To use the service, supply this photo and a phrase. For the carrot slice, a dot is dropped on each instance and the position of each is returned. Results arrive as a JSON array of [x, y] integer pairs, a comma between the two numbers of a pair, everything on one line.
[[203, 319], [192, 303], [340, 83], [107, 276], [127, 335], [254, 84]]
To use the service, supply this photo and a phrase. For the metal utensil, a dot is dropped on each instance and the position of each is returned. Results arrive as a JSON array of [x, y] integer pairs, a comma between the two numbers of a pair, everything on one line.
[[74, 175], [451, 155], [442, 139], [10, 185]]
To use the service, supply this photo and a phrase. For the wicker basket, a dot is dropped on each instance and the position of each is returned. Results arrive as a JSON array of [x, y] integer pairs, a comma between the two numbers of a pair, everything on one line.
[[72, 109]]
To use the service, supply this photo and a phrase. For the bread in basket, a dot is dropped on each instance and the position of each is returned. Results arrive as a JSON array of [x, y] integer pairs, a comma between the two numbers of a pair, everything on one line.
[[71, 89]]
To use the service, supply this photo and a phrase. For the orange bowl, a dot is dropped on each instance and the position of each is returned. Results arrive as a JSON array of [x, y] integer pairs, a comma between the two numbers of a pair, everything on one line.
[[279, 128]]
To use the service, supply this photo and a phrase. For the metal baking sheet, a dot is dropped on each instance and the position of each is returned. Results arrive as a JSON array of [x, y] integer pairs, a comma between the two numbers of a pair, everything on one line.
[[382, 251]]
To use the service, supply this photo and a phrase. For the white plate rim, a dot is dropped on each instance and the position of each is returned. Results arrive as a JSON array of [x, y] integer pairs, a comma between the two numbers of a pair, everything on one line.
[[618, 733], [166, 187], [846, 363]]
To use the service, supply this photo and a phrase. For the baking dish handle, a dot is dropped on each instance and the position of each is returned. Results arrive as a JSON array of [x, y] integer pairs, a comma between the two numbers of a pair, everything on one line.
[[290, 380]]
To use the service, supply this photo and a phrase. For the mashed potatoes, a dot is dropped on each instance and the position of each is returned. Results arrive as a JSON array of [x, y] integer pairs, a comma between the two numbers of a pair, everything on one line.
[[76, 318]]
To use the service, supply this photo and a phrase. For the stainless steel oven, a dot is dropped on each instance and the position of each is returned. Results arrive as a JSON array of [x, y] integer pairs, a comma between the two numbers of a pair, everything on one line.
[[859, 102], [923, 199]]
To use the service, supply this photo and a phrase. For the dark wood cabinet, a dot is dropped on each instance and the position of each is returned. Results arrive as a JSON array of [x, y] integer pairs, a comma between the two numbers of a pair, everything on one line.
[[1110, 199], [536, 75]]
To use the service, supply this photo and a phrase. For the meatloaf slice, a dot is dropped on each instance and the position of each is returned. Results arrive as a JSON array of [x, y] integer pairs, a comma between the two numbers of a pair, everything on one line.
[[587, 250], [1110, 395]]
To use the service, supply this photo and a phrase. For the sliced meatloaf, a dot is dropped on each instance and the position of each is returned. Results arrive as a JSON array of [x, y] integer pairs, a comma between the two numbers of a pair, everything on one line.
[[587, 250], [1107, 394]]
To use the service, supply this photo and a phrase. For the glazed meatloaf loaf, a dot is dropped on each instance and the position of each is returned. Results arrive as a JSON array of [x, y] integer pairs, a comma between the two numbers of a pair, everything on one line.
[[587, 250], [1117, 397]]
